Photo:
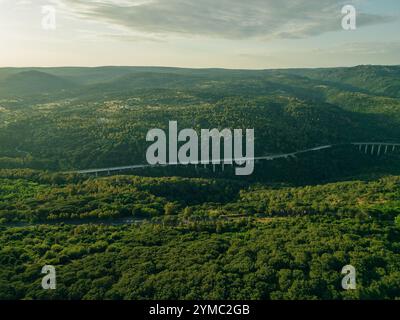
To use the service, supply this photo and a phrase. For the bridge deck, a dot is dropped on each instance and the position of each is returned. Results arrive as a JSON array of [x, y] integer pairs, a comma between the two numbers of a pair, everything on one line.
[[230, 161]]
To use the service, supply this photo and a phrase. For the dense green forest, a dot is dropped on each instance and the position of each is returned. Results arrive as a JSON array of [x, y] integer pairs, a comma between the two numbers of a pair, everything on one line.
[[284, 232], [79, 118], [197, 238], [33, 196]]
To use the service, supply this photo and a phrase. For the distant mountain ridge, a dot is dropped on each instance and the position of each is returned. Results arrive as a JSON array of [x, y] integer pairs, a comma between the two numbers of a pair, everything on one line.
[[377, 80], [33, 82]]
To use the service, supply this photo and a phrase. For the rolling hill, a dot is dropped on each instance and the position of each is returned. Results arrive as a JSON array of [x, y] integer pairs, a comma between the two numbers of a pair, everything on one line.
[[77, 118], [27, 83]]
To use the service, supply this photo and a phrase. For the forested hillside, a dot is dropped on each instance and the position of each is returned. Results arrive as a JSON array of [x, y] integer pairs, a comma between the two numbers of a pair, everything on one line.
[[36, 197], [180, 232], [196, 238], [79, 118]]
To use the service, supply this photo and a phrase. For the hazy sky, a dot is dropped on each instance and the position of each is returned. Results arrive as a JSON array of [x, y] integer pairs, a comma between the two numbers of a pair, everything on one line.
[[199, 33]]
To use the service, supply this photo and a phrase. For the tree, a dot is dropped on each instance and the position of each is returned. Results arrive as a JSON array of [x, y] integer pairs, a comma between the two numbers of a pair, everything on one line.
[[171, 208], [397, 221]]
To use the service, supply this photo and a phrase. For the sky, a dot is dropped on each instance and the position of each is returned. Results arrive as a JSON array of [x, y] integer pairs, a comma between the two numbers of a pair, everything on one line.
[[238, 34]]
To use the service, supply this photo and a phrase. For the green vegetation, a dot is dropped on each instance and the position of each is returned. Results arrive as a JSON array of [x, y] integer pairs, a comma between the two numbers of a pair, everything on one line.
[[179, 233], [30, 196], [102, 121], [285, 258], [200, 238]]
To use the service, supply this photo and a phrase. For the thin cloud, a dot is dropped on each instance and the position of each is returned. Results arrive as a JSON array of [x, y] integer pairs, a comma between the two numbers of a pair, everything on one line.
[[228, 19]]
